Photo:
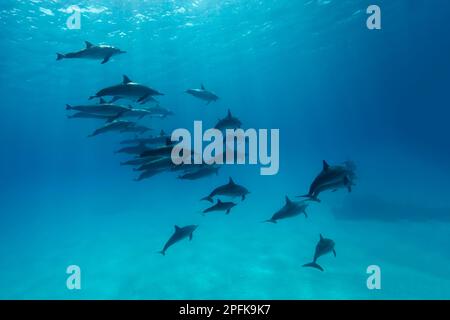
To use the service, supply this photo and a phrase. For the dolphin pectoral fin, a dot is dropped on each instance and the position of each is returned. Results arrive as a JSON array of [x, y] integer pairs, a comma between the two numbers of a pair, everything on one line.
[[142, 98], [190, 236], [228, 211], [334, 252], [106, 59], [114, 99], [111, 119], [243, 197], [304, 212], [313, 265], [208, 198]]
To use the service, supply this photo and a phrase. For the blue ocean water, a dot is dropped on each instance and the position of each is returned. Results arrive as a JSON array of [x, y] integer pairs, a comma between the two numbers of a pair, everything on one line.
[[336, 90]]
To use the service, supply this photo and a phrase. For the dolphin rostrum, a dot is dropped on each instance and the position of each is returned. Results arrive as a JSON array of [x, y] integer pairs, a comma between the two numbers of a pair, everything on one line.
[[289, 210], [203, 94], [231, 189], [178, 235], [323, 247], [220, 206], [103, 52], [127, 90]]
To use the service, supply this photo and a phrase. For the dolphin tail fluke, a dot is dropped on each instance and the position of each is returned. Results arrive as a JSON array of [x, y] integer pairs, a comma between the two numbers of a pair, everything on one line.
[[270, 220], [208, 198], [313, 265], [162, 252], [59, 56], [69, 107]]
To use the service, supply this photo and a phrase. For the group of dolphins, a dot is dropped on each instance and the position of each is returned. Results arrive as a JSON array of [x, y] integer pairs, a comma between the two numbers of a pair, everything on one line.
[[153, 160], [152, 154]]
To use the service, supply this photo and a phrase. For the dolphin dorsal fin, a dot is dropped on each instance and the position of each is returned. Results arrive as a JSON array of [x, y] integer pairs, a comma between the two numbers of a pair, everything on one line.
[[88, 44], [231, 181], [326, 166], [288, 201], [229, 114], [162, 133], [321, 237], [102, 101], [177, 228], [126, 79], [202, 86]]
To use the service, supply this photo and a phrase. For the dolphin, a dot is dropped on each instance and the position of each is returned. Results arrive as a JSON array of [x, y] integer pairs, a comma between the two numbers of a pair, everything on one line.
[[200, 173], [187, 167], [135, 129], [203, 94], [116, 125], [289, 210], [103, 52], [165, 150], [149, 99], [331, 177], [138, 161], [162, 138], [133, 149], [229, 122], [220, 206], [135, 113], [160, 163], [230, 189], [86, 115], [159, 112], [104, 109], [148, 174], [323, 247], [179, 234], [127, 90], [345, 182]]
